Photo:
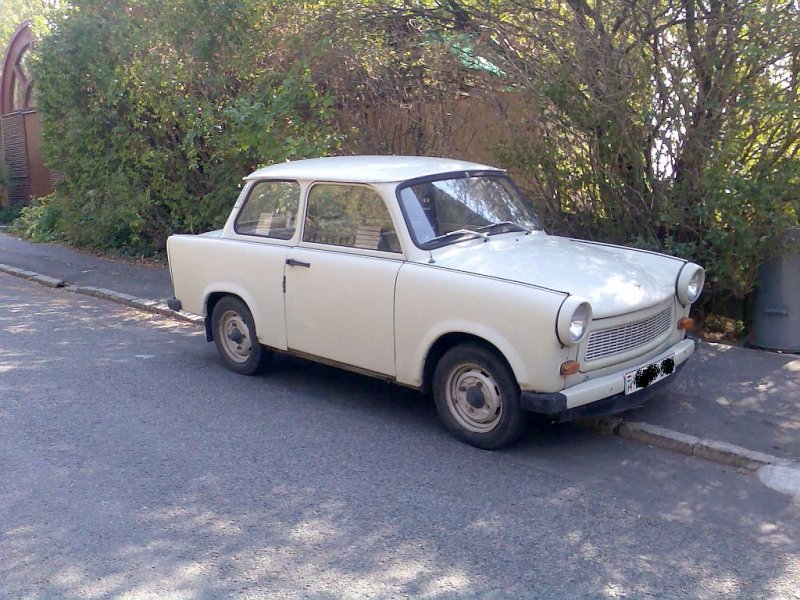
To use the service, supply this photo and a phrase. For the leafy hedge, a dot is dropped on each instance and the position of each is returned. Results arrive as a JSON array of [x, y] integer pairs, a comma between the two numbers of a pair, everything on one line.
[[154, 112]]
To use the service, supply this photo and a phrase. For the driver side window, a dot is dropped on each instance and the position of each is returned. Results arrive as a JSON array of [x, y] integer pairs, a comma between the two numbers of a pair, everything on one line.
[[353, 216]]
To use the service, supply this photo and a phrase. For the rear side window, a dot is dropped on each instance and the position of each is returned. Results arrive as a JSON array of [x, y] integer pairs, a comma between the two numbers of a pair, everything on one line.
[[270, 210], [354, 216]]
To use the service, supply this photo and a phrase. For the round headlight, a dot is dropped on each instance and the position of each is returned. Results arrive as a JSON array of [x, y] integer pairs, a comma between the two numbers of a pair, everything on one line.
[[573, 320], [690, 283]]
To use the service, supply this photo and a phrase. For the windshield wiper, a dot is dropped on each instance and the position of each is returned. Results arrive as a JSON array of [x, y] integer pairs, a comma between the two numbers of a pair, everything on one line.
[[504, 227], [457, 233]]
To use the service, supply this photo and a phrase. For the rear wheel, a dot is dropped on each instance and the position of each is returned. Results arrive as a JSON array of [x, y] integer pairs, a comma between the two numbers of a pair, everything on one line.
[[477, 397], [235, 337]]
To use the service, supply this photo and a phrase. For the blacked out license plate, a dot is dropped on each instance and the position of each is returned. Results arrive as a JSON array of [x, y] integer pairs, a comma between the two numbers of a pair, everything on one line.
[[641, 378]]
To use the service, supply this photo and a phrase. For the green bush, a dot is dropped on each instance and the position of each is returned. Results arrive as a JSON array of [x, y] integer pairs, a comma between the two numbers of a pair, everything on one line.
[[153, 115], [9, 213], [42, 221]]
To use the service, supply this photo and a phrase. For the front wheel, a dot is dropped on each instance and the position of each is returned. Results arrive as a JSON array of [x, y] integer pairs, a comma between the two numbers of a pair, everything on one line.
[[477, 397], [235, 337]]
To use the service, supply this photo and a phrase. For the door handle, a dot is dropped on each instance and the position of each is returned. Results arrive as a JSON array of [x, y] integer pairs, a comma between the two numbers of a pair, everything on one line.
[[297, 263]]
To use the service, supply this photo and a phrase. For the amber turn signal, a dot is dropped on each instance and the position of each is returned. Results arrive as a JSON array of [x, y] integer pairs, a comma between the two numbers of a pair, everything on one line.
[[686, 323], [570, 367]]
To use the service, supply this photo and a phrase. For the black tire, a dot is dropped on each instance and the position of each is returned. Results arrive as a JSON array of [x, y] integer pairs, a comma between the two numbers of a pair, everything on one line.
[[477, 397], [235, 337]]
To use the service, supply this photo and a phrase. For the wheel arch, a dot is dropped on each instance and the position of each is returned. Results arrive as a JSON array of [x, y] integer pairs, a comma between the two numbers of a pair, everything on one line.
[[211, 301], [450, 340]]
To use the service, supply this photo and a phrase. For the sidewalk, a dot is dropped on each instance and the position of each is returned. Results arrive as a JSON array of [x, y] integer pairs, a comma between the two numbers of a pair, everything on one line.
[[83, 269], [750, 398], [724, 396]]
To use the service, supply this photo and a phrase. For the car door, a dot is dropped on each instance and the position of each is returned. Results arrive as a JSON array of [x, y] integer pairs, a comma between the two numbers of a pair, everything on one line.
[[340, 280], [265, 229]]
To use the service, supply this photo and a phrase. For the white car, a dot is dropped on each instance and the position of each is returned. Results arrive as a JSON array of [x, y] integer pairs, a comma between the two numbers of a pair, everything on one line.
[[435, 274]]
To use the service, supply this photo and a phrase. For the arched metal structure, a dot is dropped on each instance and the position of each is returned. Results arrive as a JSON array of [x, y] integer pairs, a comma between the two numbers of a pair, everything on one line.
[[21, 124]]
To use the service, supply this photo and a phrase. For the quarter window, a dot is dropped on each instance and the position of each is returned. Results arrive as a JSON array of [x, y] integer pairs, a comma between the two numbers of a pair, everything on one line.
[[270, 210], [349, 215]]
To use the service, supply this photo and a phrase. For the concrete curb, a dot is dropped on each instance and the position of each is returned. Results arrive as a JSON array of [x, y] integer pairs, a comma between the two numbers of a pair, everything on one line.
[[32, 276], [151, 306], [653, 435], [658, 436], [712, 450]]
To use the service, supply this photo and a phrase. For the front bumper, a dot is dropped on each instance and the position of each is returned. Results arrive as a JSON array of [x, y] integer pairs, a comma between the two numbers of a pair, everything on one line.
[[604, 395]]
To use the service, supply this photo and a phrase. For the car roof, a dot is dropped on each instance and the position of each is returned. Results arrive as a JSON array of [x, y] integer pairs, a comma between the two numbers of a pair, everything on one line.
[[366, 169]]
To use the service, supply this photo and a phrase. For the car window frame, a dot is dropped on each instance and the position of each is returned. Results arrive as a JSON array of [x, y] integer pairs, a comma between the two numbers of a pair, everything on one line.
[[302, 242], [451, 175], [256, 236]]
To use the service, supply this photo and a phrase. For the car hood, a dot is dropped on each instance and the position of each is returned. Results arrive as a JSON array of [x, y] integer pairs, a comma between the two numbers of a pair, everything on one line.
[[613, 279]]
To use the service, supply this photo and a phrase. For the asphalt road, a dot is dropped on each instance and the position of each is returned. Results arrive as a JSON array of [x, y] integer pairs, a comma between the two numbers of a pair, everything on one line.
[[132, 464]]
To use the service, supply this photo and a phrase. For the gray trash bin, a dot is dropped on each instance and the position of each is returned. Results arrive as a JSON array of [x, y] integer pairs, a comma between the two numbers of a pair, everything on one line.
[[776, 302]]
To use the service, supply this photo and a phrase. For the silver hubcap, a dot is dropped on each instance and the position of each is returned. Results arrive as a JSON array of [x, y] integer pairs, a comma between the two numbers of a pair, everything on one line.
[[474, 399], [235, 337]]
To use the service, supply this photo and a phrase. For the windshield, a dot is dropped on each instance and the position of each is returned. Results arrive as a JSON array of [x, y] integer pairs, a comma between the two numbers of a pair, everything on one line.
[[447, 211]]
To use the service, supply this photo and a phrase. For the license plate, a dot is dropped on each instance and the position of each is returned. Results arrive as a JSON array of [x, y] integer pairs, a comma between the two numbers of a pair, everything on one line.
[[641, 378]]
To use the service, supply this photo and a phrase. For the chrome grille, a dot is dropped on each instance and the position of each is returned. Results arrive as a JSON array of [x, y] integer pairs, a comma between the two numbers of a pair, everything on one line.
[[626, 337]]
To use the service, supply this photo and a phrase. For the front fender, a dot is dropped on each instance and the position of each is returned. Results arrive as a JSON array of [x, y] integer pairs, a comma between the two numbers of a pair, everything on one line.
[[519, 320]]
